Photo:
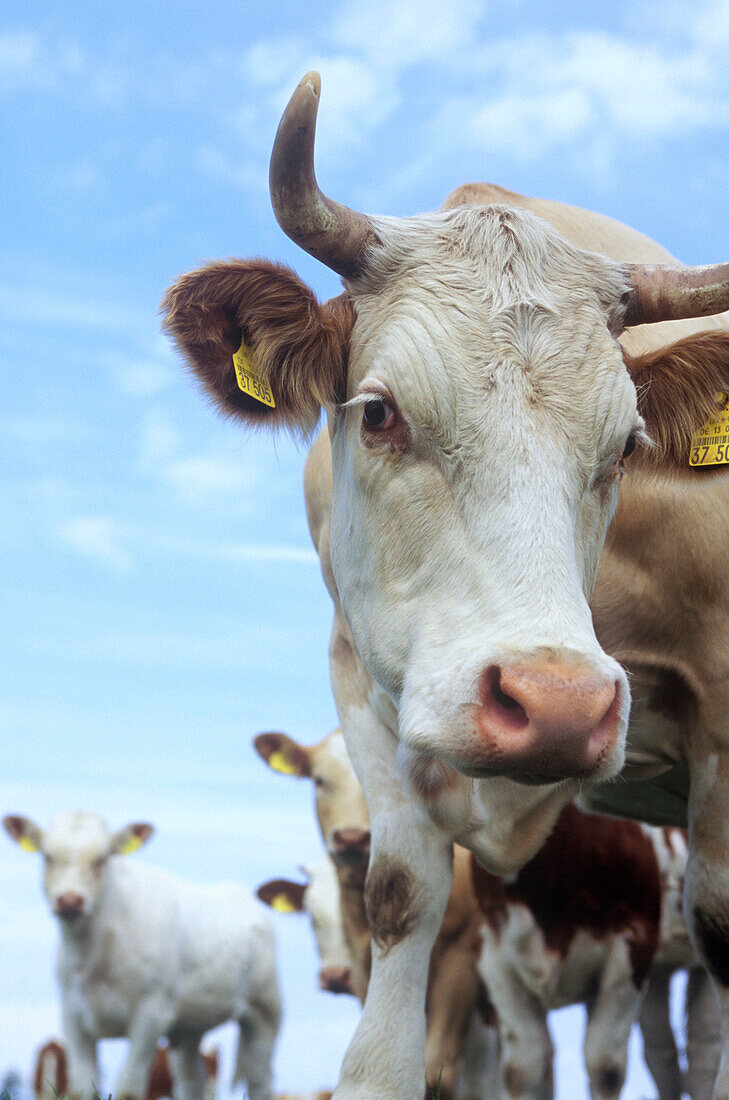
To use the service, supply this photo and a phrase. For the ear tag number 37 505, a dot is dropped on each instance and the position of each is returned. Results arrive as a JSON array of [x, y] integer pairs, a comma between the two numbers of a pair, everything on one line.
[[710, 444], [250, 380]]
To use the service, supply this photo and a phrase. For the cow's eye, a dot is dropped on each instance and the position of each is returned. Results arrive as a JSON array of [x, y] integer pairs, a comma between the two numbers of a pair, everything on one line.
[[98, 866], [377, 415], [630, 445]]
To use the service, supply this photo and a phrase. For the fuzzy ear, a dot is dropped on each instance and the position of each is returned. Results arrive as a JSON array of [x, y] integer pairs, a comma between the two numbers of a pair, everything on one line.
[[24, 832], [131, 838], [676, 395], [283, 754], [290, 343], [283, 895]]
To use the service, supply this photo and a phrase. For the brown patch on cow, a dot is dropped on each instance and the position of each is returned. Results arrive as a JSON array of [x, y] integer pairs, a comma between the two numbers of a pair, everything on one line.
[[712, 933], [594, 873], [296, 756], [676, 387], [298, 345], [390, 902], [51, 1053], [430, 778]]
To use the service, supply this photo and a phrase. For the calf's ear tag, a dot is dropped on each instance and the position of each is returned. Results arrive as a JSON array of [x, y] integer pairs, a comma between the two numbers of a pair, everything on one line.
[[282, 904], [27, 844], [250, 380], [281, 763], [710, 444], [131, 844]]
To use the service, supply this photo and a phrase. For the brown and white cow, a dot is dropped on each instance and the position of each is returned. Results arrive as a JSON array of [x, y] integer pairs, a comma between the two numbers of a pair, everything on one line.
[[594, 918], [488, 374]]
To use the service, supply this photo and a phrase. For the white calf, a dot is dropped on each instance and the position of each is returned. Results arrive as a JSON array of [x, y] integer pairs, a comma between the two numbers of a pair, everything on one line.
[[145, 955], [319, 897]]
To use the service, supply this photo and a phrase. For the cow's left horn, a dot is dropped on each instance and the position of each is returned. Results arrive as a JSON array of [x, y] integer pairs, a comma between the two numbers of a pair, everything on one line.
[[334, 234], [663, 293]]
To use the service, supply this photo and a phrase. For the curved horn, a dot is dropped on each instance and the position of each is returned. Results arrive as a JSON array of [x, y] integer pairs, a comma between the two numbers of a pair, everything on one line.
[[663, 293], [334, 234]]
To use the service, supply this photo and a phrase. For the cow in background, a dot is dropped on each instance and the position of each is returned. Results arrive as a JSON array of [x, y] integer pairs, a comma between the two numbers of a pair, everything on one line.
[[489, 373], [50, 1076], [675, 953], [318, 897], [144, 955], [343, 820]]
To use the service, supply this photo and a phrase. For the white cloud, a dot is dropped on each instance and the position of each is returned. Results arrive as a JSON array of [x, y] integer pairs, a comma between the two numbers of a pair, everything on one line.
[[202, 478], [97, 538]]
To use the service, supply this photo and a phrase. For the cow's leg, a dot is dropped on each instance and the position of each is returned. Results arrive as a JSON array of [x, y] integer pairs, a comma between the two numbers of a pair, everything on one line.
[[152, 1020], [258, 1031], [481, 1077], [187, 1068], [659, 1045], [452, 992], [610, 1015], [706, 894], [525, 1043], [408, 883], [407, 889], [703, 1035], [83, 1070]]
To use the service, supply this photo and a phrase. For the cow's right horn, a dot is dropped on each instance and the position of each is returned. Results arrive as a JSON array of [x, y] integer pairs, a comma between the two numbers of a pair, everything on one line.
[[334, 234], [665, 293]]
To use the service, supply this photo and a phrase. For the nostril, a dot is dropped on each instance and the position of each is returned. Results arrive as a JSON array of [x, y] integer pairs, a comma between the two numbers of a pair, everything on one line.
[[502, 706]]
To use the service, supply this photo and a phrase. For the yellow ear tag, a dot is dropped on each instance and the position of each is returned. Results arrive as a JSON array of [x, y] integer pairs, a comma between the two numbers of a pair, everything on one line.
[[133, 844], [710, 444], [27, 844], [250, 380], [282, 904], [281, 763]]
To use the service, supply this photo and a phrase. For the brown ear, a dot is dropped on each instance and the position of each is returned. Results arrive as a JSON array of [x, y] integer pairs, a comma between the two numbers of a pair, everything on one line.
[[283, 895], [295, 345], [24, 832], [283, 754], [676, 387]]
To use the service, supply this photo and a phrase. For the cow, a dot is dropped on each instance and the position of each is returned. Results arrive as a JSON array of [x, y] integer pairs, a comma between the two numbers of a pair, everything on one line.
[[144, 955], [594, 918], [50, 1076], [341, 812], [319, 898], [490, 373], [452, 987], [675, 952]]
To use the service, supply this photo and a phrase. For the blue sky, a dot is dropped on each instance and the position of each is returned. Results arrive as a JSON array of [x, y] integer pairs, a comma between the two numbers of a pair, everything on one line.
[[162, 600]]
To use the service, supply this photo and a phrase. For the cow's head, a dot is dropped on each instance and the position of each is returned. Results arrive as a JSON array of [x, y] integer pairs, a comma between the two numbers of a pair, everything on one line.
[[76, 848], [319, 897], [340, 804], [480, 410]]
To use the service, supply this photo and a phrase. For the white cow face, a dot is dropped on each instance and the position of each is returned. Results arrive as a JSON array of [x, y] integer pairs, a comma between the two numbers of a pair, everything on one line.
[[319, 897], [476, 468], [76, 849]]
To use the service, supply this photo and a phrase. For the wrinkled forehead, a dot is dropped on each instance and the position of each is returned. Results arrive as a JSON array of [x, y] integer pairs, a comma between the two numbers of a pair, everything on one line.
[[488, 302], [76, 836]]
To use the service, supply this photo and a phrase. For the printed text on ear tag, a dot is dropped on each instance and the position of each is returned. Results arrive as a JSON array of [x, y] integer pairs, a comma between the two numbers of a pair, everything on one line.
[[710, 444], [280, 763], [282, 904], [250, 380]]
